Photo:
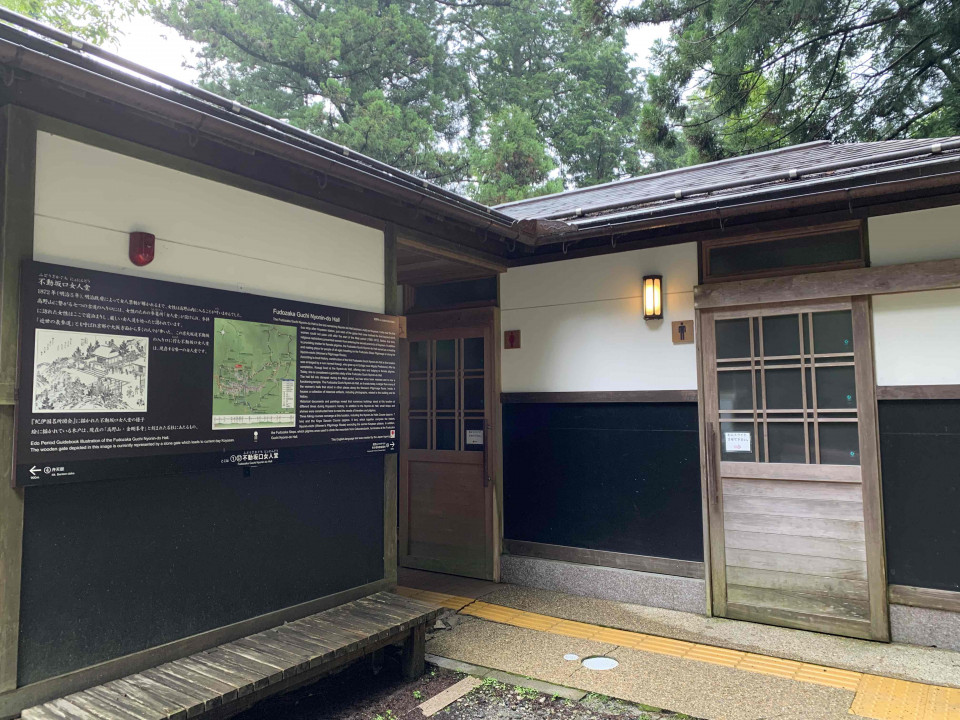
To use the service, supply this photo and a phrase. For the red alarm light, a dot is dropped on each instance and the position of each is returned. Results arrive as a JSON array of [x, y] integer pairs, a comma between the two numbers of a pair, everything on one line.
[[142, 246]]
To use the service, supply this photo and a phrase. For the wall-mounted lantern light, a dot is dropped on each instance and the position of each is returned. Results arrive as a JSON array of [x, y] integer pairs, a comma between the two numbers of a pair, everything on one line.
[[652, 302]]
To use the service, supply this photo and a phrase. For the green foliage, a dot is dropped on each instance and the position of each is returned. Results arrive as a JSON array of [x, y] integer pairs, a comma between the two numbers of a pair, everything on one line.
[[525, 693], [576, 85], [89, 19], [503, 98], [512, 163], [372, 74], [738, 76]]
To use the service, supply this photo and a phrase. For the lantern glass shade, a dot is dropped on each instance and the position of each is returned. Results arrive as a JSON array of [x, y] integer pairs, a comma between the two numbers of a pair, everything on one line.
[[652, 299]]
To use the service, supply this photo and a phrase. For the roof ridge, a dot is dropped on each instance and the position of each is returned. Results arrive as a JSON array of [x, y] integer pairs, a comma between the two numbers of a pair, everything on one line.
[[672, 171]]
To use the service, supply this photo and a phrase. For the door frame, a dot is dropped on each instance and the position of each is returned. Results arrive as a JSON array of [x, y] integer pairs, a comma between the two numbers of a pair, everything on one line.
[[711, 490], [487, 321]]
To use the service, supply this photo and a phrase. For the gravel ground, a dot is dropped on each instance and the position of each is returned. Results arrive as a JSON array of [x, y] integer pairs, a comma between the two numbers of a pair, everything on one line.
[[496, 701], [375, 691]]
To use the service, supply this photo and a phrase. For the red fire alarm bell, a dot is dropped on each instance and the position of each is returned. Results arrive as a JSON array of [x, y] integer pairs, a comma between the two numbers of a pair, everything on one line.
[[141, 248]]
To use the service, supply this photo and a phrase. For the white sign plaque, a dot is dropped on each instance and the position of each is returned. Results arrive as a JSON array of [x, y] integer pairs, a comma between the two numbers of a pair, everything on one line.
[[474, 437], [736, 442]]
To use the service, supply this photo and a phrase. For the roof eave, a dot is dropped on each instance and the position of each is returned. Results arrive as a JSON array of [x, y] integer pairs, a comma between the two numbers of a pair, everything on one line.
[[867, 185]]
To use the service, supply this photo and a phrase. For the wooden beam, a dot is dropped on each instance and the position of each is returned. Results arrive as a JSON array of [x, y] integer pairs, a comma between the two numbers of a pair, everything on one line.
[[18, 145], [869, 428], [924, 598], [605, 558], [918, 392], [602, 396], [438, 247], [884, 280], [391, 305]]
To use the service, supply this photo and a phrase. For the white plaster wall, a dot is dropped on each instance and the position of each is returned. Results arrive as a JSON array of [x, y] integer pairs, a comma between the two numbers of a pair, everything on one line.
[[88, 200], [915, 236], [582, 326], [917, 335], [917, 338]]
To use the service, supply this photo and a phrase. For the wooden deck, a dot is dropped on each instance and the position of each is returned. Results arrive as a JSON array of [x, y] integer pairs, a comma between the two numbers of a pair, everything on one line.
[[228, 679]]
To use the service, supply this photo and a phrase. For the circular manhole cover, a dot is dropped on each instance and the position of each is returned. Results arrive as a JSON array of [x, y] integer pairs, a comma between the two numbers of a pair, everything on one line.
[[599, 662]]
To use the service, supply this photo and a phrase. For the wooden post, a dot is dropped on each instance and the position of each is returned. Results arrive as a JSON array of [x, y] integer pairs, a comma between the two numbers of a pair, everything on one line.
[[18, 144], [413, 662], [390, 306]]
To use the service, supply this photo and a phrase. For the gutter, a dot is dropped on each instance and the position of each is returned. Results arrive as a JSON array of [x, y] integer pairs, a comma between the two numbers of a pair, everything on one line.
[[196, 108]]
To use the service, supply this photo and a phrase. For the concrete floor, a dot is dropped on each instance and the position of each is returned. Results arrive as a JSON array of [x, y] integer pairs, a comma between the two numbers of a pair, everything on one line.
[[676, 684], [679, 684], [907, 662]]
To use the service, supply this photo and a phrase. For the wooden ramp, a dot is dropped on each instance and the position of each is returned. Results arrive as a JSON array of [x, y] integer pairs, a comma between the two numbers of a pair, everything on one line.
[[230, 678]]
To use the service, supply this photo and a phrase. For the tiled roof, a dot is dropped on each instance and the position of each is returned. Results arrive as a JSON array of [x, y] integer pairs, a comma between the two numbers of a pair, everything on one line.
[[744, 174]]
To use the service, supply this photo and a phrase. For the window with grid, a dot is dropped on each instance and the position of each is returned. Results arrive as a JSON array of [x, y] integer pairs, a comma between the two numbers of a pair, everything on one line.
[[789, 381], [447, 394]]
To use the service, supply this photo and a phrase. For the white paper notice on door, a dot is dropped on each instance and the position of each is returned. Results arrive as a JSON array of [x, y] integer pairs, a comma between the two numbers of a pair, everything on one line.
[[474, 437], [736, 442]]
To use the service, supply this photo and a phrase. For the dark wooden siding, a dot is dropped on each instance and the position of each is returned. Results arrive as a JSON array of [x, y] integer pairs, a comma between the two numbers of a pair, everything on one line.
[[920, 454], [623, 477], [110, 568]]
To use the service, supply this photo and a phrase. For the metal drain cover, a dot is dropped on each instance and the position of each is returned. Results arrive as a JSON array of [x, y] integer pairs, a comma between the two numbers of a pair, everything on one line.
[[598, 662]]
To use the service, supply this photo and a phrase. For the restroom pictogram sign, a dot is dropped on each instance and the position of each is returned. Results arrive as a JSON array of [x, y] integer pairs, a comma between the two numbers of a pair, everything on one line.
[[682, 332]]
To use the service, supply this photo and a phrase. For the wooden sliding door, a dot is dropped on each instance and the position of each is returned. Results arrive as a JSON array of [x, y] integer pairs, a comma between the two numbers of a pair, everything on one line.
[[792, 467]]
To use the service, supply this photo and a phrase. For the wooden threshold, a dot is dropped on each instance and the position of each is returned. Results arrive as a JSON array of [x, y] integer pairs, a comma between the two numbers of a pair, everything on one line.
[[605, 558], [924, 598]]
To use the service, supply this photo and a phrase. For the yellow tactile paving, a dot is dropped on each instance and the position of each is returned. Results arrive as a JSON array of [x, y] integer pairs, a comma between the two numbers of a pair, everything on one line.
[[876, 697], [832, 677], [891, 699]]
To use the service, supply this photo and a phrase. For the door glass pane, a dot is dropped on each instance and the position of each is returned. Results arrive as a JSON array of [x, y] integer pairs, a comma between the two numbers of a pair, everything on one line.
[[781, 335], [473, 394], [735, 390], [418, 394], [833, 332], [783, 388], [473, 353], [731, 439], [836, 388], [733, 338], [839, 444], [446, 394], [786, 443], [446, 354], [446, 434], [418, 356], [418, 434]]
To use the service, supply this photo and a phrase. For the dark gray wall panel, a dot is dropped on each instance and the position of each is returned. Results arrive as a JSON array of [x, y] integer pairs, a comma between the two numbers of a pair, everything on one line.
[[110, 568], [623, 477], [920, 455]]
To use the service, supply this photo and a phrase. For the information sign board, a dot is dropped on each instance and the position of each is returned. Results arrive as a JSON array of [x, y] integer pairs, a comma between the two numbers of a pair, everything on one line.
[[122, 376]]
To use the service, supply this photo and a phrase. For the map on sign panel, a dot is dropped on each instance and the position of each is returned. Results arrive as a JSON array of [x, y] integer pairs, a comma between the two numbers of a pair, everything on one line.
[[254, 375]]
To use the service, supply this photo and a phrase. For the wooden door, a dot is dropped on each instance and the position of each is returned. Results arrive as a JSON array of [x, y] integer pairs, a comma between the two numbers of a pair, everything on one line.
[[447, 513], [795, 522]]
